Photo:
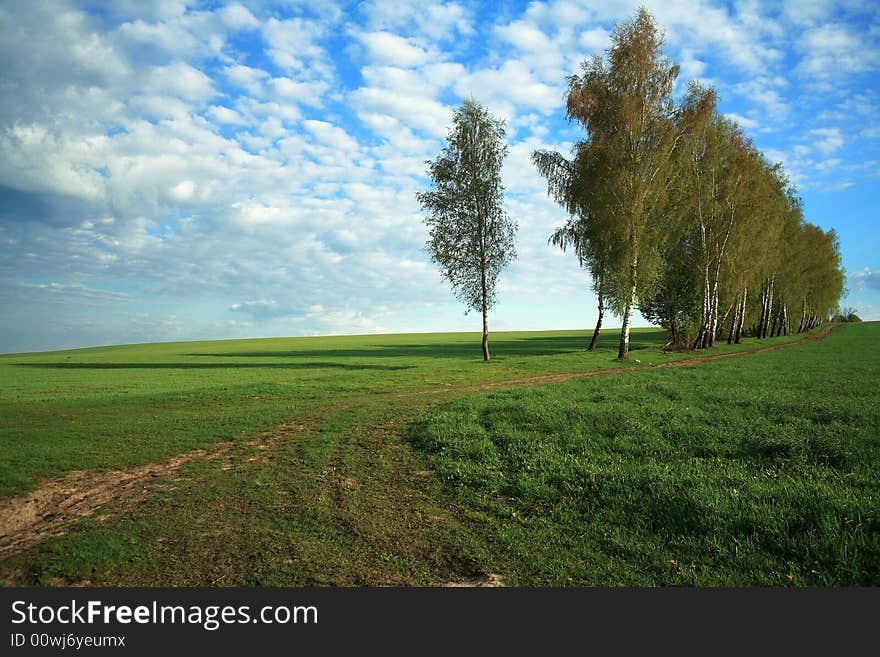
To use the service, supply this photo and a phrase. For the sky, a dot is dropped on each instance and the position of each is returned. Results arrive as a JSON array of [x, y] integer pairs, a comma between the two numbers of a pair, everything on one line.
[[181, 170]]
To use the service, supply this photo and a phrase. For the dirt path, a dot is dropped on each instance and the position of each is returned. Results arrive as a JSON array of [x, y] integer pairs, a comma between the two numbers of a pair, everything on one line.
[[50, 510], [568, 376]]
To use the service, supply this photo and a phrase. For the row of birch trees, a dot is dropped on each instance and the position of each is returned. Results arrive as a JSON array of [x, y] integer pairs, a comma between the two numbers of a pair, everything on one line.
[[672, 209]]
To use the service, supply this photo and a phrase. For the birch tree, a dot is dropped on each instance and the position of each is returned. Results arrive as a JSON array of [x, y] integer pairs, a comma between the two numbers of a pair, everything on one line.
[[634, 127], [723, 168], [471, 236], [568, 183], [755, 242]]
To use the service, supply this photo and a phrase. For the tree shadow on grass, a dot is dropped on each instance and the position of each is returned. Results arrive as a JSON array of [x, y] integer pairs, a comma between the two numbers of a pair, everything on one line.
[[501, 347], [196, 366]]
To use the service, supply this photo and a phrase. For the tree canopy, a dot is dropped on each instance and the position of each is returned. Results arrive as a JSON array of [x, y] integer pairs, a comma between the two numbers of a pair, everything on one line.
[[673, 210]]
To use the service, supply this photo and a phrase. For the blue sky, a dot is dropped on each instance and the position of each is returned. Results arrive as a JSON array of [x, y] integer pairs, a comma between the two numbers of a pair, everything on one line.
[[177, 170]]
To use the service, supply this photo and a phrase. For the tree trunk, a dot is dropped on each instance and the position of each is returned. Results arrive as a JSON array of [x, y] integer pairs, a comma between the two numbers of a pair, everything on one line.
[[773, 323], [486, 355], [763, 311], [769, 311], [713, 317], [742, 318], [706, 320], [733, 323], [623, 351], [720, 332], [595, 341], [713, 306]]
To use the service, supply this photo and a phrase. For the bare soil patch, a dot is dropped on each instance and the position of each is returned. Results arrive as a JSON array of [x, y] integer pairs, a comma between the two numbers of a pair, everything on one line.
[[490, 580]]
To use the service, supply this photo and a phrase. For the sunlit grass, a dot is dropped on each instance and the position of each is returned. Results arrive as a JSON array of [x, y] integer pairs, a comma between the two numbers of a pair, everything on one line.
[[110, 407], [760, 470], [750, 471]]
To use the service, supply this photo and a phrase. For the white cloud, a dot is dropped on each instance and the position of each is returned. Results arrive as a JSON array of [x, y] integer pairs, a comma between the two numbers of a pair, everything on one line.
[[183, 191], [246, 77], [39, 159], [411, 109], [293, 46], [256, 172], [840, 186], [827, 140], [833, 50], [308, 93], [224, 115], [181, 80], [807, 12], [765, 93], [387, 48], [238, 17], [866, 278], [441, 21], [708, 28], [74, 293], [525, 36], [259, 308], [594, 41], [332, 136], [511, 85], [828, 165], [743, 121]]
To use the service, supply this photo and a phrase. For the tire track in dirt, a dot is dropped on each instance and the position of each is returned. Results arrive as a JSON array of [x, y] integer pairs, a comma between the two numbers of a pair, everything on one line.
[[57, 504]]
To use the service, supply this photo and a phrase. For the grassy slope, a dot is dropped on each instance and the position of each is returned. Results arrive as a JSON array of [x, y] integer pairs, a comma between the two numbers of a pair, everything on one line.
[[353, 503], [750, 471], [110, 407]]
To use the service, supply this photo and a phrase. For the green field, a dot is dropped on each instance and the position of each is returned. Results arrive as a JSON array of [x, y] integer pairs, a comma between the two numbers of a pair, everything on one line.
[[400, 470]]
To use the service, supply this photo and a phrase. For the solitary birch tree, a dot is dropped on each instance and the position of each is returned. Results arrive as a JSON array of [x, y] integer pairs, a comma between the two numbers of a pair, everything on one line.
[[471, 236]]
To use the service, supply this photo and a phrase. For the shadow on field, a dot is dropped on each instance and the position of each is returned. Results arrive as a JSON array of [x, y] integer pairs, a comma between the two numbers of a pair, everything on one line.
[[212, 366], [537, 346]]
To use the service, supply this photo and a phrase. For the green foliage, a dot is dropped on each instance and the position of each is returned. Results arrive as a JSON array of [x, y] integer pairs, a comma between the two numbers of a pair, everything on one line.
[[471, 238], [673, 208], [673, 302], [845, 315], [616, 185]]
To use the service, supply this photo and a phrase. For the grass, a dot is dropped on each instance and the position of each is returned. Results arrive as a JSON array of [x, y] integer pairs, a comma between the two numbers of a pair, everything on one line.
[[758, 471], [596, 481], [110, 407]]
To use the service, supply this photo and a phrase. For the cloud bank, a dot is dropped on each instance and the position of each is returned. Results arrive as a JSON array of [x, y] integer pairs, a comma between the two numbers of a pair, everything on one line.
[[178, 170]]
